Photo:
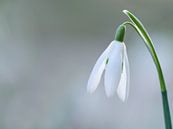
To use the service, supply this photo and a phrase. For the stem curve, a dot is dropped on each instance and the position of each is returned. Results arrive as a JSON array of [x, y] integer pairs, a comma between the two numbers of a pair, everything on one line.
[[138, 26]]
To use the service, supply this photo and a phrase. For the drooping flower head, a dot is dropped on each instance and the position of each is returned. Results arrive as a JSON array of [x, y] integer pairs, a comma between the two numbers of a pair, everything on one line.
[[114, 62]]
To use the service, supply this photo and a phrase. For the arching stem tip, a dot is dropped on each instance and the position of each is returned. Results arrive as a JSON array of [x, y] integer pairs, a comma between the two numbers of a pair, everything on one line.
[[125, 11]]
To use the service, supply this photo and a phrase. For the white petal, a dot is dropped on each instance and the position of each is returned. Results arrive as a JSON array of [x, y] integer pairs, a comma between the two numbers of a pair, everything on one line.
[[98, 69], [113, 69], [123, 87]]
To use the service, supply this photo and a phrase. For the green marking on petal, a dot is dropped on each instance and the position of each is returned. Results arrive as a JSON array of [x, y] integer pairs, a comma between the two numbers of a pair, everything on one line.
[[107, 60]]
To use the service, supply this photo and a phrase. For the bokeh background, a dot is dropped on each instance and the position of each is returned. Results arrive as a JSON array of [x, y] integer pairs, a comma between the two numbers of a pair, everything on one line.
[[48, 49]]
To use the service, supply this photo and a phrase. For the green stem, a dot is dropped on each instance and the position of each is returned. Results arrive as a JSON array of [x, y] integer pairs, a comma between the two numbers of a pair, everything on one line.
[[149, 44], [168, 124], [138, 26]]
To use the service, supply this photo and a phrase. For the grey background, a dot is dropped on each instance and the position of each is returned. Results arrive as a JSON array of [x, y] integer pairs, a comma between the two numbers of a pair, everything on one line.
[[47, 51]]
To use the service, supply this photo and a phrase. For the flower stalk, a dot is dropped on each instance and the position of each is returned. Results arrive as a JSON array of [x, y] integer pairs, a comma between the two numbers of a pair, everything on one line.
[[138, 26]]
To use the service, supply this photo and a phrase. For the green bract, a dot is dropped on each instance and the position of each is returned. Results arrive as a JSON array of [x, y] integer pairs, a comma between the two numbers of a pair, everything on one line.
[[120, 33]]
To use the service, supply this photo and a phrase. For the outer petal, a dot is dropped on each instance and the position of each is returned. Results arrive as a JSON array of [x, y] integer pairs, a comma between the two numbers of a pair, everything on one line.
[[113, 69], [123, 87], [98, 69]]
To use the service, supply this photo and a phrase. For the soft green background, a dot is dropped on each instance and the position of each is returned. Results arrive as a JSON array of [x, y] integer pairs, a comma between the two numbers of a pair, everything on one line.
[[48, 48]]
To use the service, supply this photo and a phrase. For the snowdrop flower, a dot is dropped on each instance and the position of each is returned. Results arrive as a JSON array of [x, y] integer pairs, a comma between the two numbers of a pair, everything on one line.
[[114, 61]]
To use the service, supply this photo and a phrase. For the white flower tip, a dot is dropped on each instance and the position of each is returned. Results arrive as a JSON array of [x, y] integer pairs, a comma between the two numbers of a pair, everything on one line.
[[90, 89], [122, 90], [123, 98], [122, 93], [109, 93]]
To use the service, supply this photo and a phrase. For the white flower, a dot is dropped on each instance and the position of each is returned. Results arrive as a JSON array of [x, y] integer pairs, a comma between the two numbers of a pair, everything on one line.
[[114, 61]]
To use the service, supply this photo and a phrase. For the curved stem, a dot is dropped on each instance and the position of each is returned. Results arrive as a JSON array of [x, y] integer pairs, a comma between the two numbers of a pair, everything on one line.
[[137, 25], [151, 49]]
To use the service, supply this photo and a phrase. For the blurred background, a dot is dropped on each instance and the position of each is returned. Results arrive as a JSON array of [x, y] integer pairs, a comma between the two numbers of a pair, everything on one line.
[[48, 49]]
